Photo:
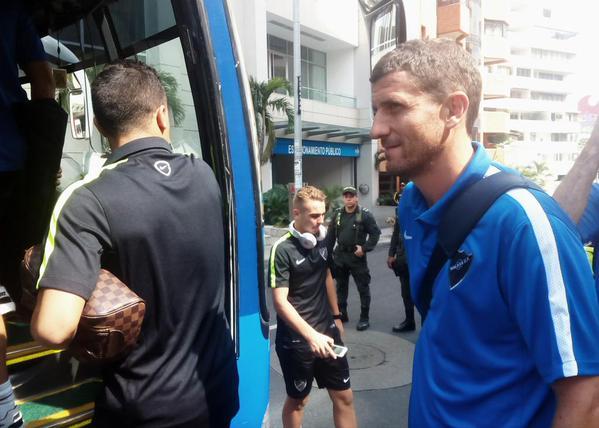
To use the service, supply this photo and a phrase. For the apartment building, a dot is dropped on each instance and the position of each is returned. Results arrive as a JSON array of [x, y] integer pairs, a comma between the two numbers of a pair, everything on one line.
[[340, 41], [542, 128]]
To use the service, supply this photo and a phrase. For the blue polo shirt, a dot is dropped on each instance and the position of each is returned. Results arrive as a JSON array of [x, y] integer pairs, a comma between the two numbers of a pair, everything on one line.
[[515, 311], [19, 45], [588, 226]]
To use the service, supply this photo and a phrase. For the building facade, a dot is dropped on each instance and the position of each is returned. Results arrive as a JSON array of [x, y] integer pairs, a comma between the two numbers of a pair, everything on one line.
[[340, 41], [530, 103]]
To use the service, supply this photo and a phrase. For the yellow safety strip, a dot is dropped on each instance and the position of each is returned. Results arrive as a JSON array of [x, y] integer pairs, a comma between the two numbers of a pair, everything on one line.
[[62, 415], [82, 424], [62, 200], [54, 391], [18, 360], [272, 258]]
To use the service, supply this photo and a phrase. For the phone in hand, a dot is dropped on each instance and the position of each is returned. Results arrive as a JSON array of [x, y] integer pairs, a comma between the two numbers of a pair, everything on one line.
[[339, 350]]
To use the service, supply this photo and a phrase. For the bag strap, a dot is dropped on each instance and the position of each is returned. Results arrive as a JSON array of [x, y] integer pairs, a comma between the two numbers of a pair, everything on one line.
[[459, 218]]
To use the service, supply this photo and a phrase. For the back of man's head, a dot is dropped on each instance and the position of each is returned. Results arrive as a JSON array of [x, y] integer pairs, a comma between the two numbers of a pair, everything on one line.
[[439, 67], [124, 95]]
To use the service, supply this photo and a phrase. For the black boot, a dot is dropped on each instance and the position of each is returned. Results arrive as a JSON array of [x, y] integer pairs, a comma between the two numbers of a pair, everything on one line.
[[364, 322], [407, 325]]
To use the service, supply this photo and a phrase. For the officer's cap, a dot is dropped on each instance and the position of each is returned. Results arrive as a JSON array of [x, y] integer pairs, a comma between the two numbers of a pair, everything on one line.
[[350, 189]]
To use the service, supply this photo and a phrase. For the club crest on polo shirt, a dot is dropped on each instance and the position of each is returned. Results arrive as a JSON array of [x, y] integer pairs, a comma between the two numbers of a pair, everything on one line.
[[323, 252], [300, 384], [458, 267]]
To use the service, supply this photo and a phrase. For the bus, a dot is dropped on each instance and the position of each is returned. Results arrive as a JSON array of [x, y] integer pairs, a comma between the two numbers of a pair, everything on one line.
[[193, 46]]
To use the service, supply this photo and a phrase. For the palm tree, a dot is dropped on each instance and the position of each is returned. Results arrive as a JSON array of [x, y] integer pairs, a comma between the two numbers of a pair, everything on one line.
[[263, 106]]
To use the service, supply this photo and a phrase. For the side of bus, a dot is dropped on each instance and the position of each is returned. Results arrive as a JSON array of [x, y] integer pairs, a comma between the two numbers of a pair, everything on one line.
[[192, 45]]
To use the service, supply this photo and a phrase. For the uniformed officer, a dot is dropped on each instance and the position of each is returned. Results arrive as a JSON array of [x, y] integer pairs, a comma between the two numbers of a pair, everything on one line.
[[355, 232]]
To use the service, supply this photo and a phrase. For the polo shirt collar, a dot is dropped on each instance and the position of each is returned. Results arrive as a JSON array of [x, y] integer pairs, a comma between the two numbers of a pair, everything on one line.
[[474, 171], [135, 146]]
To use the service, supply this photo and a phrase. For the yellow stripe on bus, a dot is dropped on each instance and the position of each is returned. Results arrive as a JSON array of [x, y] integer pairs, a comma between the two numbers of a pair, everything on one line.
[[61, 415], [12, 361]]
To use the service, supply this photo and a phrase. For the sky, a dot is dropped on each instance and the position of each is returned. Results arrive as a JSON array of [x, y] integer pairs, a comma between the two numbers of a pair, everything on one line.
[[584, 15]]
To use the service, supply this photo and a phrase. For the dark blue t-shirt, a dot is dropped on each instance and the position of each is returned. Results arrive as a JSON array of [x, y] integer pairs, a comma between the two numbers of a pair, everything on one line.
[[19, 45]]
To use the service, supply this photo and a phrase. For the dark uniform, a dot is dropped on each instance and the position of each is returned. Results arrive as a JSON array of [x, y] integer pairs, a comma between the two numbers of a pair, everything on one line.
[[304, 272], [152, 218], [397, 250], [348, 230]]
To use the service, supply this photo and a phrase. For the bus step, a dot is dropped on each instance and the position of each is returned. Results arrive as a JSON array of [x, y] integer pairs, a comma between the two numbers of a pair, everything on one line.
[[70, 406]]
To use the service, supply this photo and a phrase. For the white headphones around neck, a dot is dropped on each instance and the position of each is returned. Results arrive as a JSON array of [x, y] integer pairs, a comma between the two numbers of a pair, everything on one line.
[[308, 240]]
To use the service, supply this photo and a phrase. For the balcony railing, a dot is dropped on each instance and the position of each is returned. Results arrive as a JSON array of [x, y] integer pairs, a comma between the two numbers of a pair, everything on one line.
[[328, 97]]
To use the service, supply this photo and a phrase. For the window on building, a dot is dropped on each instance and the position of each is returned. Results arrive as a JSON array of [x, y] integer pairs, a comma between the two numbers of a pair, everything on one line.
[[532, 115], [314, 67], [514, 116], [551, 55], [559, 136], [548, 76], [495, 28], [547, 13], [558, 157], [383, 33], [523, 72], [504, 70], [547, 96], [518, 93]]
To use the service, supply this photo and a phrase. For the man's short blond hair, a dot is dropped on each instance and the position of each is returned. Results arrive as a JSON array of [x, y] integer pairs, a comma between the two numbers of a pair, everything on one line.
[[308, 193]]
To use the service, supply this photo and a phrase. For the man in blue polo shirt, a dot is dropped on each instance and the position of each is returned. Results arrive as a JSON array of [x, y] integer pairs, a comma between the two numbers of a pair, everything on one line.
[[510, 339], [579, 196]]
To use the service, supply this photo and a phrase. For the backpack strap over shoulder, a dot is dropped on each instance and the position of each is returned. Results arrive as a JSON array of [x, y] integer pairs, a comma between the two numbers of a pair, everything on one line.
[[459, 218]]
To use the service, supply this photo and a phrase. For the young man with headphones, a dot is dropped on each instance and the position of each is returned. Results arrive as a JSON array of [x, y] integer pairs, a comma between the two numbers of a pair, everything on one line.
[[308, 321]]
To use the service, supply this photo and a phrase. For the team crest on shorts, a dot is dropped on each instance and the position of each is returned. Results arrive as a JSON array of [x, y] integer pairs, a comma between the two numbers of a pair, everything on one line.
[[458, 267], [300, 385]]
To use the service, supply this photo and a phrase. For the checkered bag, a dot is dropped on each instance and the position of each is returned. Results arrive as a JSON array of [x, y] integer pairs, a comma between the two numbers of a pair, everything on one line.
[[111, 319]]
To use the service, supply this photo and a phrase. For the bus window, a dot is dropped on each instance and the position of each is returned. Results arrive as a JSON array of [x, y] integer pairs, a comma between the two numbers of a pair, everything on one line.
[[167, 59]]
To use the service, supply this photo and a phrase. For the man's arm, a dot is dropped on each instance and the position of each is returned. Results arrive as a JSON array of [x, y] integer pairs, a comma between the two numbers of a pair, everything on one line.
[[332, 298], [374, 233], [573, 192], [55, 318], [319, 343], [41, 79], [577, 402]]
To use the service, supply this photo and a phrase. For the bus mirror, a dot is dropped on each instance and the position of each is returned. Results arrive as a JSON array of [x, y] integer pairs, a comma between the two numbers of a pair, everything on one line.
[[77, 114]]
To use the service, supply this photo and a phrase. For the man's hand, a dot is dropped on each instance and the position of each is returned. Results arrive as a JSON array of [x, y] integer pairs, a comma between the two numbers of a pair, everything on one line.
[[321, 345], [359, 251], [391, 262], [339, 325]]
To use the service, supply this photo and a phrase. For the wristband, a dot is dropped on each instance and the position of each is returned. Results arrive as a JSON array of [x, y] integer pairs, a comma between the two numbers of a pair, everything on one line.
[[337, 317]]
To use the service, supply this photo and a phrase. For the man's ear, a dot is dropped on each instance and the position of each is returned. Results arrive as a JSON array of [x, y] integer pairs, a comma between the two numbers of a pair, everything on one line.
[[162, 119], [455, 109]]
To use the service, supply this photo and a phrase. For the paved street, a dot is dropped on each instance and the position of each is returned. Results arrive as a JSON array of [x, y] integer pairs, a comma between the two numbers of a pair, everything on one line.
[[380, 361]]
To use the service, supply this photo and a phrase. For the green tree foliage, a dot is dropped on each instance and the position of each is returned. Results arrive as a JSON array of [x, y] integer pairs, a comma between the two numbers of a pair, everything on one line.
[[537, 172], [276, 206], [264, 104], [175, 105]]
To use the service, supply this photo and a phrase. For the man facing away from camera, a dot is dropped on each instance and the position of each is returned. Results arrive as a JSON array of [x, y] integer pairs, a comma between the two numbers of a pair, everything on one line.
[[510, 337], [151, 217], [308, 321]]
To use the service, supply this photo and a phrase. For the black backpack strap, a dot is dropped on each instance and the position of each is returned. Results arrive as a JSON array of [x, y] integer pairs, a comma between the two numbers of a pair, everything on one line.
[[459, 218]]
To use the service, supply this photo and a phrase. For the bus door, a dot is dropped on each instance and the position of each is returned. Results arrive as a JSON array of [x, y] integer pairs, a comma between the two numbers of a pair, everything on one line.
[[192, 46]]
